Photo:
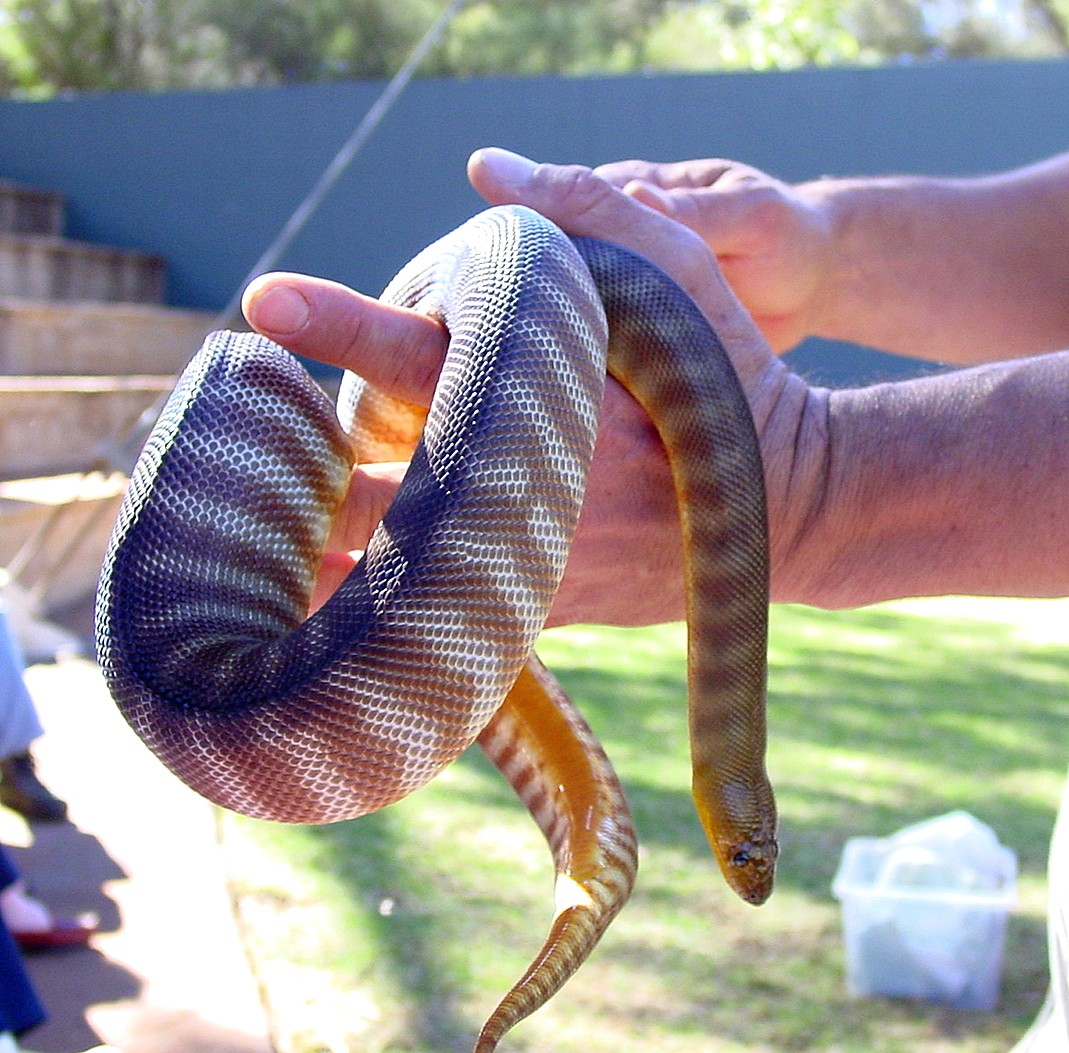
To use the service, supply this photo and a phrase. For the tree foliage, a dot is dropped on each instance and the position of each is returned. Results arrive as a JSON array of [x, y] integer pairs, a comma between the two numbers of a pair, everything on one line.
[[49, 46], [549, 36]]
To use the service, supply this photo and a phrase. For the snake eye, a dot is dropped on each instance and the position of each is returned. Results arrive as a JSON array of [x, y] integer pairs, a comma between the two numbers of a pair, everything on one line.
[[750, 853]]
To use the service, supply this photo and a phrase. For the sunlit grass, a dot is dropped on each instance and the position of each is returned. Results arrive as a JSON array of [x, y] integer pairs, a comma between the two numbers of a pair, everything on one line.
[[399, 931]]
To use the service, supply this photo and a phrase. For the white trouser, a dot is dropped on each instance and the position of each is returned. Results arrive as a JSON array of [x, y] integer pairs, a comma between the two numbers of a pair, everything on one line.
[[1050, 1032], [19, 724]]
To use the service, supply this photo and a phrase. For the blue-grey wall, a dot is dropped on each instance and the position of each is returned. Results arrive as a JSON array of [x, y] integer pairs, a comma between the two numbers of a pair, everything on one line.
[[208, 178]]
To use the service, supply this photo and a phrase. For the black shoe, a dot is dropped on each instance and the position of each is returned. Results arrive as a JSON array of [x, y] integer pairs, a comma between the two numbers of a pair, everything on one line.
[[23, 792]]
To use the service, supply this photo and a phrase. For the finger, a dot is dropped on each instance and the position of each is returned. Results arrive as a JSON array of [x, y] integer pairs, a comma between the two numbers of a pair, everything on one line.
[[684, 175], [397, 350], [332, 572], [651, 195], [713, 216], [726, 203], [371, 490]]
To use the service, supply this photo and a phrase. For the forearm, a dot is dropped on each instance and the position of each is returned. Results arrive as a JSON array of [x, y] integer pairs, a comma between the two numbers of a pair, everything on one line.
[[955, 270], [948, 485]]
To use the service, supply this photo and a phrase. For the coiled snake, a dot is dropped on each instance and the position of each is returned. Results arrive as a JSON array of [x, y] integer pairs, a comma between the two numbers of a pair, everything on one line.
[[202, 614]]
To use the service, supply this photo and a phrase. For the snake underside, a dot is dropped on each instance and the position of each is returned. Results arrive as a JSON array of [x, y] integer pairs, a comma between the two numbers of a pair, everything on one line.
[[202, 616]]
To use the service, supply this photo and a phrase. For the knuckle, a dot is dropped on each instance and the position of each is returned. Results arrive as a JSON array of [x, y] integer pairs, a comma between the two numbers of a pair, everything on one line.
[[578, 192]]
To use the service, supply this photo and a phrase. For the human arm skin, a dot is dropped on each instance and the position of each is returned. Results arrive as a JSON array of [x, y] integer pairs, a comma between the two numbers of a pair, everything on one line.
[[960, 271], [955, 483]]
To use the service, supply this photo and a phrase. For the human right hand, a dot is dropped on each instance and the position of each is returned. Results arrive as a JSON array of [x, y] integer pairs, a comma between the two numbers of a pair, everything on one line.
[[772, 239]]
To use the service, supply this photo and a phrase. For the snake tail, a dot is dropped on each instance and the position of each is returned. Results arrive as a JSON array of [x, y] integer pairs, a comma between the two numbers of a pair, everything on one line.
[[547, 751], [663, 350]]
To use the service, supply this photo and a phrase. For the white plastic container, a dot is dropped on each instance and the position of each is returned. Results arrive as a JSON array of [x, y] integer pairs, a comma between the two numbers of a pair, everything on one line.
[[924, 911]]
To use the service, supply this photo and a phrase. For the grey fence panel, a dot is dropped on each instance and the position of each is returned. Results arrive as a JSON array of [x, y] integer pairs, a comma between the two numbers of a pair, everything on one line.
[[208, 178]]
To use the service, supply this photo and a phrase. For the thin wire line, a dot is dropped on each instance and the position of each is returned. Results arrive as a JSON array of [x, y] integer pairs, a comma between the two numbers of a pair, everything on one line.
[[343, 158], [119, 452]]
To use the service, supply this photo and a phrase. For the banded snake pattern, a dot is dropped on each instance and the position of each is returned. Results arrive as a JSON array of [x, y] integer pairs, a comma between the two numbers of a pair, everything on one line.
[[203, 630]]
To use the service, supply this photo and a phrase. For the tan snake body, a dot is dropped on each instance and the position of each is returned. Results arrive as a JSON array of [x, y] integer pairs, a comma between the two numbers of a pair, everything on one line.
[[203, 634]]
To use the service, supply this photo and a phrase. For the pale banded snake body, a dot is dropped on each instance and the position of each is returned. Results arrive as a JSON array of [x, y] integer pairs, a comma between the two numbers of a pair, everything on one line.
[[202, 615]]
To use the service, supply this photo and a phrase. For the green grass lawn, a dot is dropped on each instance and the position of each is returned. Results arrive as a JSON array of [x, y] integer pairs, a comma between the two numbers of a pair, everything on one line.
[[400, 931]]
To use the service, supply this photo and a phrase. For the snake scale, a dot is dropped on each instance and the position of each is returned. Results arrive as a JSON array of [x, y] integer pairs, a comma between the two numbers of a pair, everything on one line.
[[203, 629]]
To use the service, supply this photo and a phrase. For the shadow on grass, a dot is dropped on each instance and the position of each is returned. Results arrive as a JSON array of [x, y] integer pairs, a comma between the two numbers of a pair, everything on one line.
[[876, 720], [373, 858], [912, 718]]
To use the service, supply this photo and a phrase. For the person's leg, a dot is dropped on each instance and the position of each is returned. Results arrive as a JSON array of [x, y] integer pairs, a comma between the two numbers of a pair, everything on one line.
[[20, 788], [30, 924], [20, 1008], [19, 723]]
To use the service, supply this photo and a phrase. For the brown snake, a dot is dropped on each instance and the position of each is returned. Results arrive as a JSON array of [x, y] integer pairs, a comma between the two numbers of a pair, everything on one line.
[[202, 614]]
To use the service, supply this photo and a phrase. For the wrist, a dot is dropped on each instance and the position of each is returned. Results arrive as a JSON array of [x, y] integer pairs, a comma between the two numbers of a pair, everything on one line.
[[850, 210], [792, 422], [949, 484]]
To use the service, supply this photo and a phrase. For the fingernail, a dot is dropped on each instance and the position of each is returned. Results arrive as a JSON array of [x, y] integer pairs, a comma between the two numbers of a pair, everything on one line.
[[280, 309], [508, 169]]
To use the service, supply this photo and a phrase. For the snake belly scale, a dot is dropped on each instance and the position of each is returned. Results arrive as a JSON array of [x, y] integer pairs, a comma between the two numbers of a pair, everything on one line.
[[202, 613]]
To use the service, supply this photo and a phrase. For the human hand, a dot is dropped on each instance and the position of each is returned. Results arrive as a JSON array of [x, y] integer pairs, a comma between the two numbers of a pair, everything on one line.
[[630, 510], [772, 239]]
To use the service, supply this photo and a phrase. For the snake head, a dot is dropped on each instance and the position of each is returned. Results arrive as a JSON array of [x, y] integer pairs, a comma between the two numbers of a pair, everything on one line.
[[744, 845], [750, 867]]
